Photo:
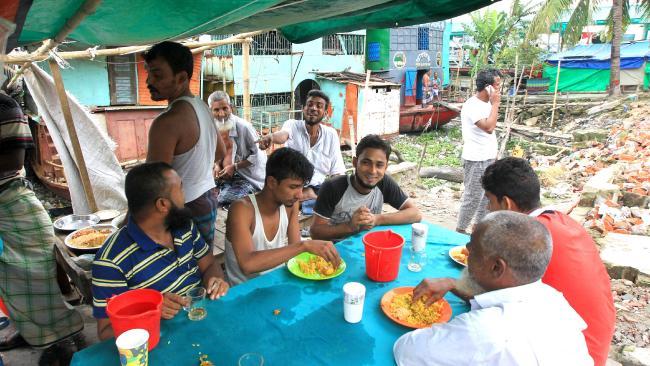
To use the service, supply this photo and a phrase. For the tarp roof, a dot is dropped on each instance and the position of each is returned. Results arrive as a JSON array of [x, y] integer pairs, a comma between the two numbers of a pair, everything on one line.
[[118, 22], [597, 56], [602, 52]]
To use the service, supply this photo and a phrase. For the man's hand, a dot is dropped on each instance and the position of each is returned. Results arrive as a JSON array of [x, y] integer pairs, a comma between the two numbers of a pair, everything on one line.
[[495, 97], [323, 249], [433, 289], [172, 304], [227, 172], [217, 287], [265, 141], [215, 170]]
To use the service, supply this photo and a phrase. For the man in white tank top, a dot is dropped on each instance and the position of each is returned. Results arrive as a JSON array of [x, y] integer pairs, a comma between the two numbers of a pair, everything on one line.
[[184, 135], [258, 226]]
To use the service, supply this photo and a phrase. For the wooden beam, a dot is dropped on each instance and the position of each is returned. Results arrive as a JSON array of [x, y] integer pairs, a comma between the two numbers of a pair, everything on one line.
[[557, 82], [87, 8], [118, 51], [245, 46], [72, 133]]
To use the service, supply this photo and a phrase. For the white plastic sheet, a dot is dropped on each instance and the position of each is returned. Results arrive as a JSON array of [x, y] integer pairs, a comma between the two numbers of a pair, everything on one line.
[[106, 175]]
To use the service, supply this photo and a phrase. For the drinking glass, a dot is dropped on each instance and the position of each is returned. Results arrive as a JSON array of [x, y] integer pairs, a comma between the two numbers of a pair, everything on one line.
[[251, 359], [195, 306]]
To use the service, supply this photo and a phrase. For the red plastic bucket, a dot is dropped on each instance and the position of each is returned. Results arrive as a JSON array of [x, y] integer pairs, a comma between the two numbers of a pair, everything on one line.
[[134, 309], [383, 255]]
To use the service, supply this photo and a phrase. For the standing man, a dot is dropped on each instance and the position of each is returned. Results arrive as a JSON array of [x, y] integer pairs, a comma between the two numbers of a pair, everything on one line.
[[317, 142], [349, 204], [427, 94], [184, 135], [436, 85], [575, 269], [479, 121], [272, 213], [242, 170], [28, 284]]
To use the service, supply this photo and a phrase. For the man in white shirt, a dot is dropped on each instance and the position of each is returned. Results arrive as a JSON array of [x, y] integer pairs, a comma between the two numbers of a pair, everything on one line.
[[318, 142], [514, 319], [479, 121]]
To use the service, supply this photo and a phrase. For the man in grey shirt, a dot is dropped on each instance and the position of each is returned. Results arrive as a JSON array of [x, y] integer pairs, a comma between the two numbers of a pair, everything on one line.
[[349, 204], [241, 172]]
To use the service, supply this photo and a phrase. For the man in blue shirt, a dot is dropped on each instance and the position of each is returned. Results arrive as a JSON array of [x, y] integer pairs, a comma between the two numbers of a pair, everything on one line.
[[159, 248]]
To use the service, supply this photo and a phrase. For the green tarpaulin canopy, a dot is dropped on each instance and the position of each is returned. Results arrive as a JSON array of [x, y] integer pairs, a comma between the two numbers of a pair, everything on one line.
[[119, 22]]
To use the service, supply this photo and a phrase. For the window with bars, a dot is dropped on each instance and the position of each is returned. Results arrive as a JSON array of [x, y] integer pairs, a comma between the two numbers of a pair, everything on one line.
[[122, 81], [344, 44], [423, 38], [269, 43], [268, 99]]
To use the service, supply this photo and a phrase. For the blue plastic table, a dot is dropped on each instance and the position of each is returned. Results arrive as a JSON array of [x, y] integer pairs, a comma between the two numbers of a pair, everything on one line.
[[310, 329]]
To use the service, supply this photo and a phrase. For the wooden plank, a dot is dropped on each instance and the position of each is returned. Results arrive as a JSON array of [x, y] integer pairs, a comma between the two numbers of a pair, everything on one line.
[[245, 46], [80, 277], [72, 133]]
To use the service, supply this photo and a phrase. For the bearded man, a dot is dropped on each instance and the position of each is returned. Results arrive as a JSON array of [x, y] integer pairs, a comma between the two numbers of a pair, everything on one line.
[[159, 248], [349, 204]]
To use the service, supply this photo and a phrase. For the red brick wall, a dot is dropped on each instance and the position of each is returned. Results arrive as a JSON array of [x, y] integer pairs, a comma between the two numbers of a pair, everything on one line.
[[144, 98]]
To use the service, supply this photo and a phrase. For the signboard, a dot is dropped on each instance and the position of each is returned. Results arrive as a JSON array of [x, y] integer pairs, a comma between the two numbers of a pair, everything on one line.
[[423, 60], [399, 59]]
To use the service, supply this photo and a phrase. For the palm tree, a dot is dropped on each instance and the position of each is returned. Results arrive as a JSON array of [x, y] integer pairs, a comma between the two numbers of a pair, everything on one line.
[[581, 16]]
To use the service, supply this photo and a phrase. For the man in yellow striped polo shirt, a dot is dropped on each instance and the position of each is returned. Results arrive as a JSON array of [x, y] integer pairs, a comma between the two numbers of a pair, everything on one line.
[[159, 248]]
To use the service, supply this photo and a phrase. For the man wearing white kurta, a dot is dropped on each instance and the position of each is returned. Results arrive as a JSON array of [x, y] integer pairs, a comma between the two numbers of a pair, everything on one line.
[[514, 319]]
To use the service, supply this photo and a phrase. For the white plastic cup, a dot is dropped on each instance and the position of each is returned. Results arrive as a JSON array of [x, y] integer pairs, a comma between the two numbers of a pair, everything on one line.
[[133, 347], [419, 233], [353, 295]]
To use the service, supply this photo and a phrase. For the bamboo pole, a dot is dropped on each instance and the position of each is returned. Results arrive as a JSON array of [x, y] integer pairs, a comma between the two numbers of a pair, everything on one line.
[[223, 74], [118, 51], [557, 82], [246, 77], [72, 133], [530, 75], [510, 116], [87, 8]]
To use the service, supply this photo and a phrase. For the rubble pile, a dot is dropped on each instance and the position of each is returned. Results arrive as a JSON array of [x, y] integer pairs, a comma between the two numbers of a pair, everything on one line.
[[631, 303]]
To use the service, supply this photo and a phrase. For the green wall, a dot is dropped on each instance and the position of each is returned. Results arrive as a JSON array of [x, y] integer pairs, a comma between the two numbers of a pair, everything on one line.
[[577, 79], [383, 37], [87, 80]]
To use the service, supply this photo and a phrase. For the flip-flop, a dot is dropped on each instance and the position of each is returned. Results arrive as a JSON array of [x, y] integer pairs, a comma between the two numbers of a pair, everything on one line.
[[14, 342], [4, 322]]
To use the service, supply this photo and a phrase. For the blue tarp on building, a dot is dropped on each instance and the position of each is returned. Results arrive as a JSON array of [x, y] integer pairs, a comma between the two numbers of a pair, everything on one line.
[[597, 56]]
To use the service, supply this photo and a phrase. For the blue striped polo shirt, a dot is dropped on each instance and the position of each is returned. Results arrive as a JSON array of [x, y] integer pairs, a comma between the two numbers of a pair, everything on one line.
[[129, 259]]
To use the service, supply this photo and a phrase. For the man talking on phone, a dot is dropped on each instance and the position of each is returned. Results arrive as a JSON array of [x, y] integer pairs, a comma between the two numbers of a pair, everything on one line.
[[479, 121]]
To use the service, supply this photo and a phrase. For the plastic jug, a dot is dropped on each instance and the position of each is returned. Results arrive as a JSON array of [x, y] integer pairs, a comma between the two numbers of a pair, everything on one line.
[[383, 255], [134, 309]]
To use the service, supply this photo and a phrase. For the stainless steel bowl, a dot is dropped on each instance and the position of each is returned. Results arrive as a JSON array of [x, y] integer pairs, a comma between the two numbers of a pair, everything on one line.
[[75, 222]]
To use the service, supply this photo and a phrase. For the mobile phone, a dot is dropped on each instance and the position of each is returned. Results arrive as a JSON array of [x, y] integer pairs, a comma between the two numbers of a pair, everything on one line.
[[490, 90]]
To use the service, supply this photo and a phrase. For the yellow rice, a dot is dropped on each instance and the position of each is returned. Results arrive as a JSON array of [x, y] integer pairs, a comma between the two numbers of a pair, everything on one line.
[[403, 308], [316, 265]]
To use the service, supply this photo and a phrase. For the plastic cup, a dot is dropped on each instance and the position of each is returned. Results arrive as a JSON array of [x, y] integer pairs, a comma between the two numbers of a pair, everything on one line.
[[133, 346], [251, 359], [196, 303], [353, 295], [419, 233]]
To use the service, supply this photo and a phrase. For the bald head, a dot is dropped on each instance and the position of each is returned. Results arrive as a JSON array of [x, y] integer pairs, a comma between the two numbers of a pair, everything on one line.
[[520, 241]]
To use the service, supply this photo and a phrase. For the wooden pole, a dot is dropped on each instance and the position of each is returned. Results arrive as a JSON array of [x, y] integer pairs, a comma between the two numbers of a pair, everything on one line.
[[530, 75], [72, 133], [557, 82], [246, 78], [223, 74], [510, 116]]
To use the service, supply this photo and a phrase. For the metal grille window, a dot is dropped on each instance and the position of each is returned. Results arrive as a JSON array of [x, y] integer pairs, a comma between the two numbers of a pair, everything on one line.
[[122, 82], [225, 50], [266, 109], [344, 44], [436, 38], [261, 100], [270, 43], [423, 38]]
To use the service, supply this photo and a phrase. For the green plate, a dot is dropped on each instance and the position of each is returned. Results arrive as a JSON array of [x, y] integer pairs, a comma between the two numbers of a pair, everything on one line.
[[294, 268]]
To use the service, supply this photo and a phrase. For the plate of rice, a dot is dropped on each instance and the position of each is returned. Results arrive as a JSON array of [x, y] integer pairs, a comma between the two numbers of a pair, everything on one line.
[[398, 305], [312, 267], [459, 255], [90, 238]]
